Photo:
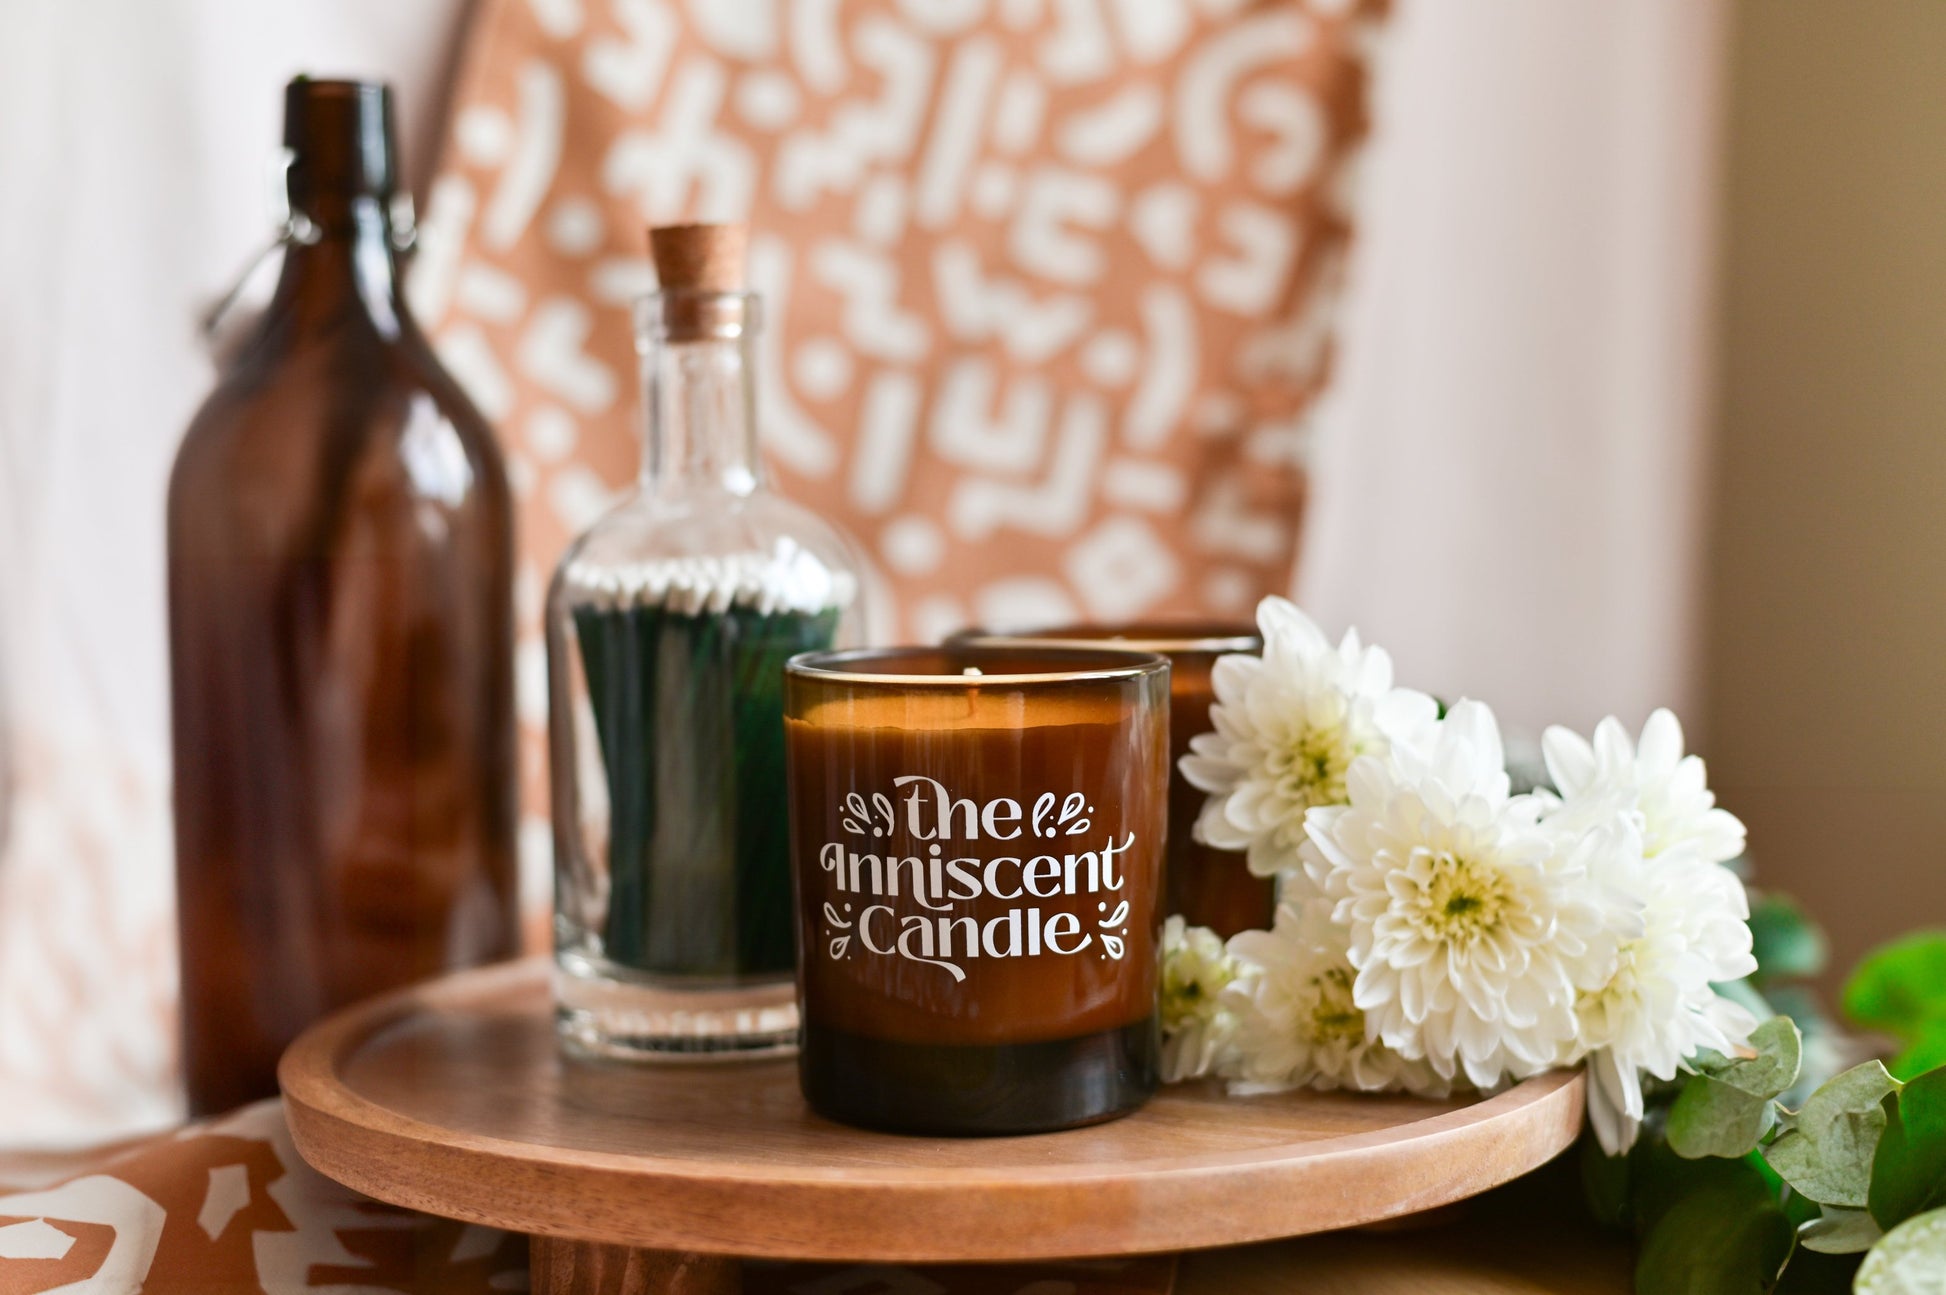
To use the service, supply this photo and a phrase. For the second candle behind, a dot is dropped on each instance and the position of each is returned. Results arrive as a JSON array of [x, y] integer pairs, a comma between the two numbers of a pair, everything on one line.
[[1207, 886], [977, 838]]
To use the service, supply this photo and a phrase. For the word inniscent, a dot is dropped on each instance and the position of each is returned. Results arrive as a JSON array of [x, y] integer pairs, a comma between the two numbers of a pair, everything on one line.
[[939, 881]]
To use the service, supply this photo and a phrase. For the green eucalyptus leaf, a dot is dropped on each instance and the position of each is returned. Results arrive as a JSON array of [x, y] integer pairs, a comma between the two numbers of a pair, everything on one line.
[[1825, 1150], [1840, 1232], [1722, 1233], [1911, 1260], [1925, 1052], [1778, 1048], [1909, 1171], [1710, 1118], [1726, 1108], [1900, 987], [1826, 1048], [1787, 943]]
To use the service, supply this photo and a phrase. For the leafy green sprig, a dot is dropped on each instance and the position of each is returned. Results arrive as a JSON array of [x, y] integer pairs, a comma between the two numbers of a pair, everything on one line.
[[1743, 1181]]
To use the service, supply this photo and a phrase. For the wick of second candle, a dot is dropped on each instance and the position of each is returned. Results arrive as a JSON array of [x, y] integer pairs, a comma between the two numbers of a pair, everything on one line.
[[972, 704]]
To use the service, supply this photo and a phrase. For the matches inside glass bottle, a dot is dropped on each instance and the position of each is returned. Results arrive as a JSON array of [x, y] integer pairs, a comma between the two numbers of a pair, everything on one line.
[[685, 677], [668, 628]]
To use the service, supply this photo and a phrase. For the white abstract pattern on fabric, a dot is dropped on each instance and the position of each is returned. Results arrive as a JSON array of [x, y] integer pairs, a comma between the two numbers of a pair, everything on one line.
[[230, 1205], [1015, 259]]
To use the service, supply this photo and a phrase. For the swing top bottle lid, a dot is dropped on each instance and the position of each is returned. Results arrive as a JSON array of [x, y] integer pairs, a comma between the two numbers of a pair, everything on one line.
[[699, 272], [339, 134]]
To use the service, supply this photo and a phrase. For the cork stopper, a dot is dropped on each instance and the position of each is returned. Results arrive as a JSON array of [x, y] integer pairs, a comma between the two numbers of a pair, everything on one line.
[[698, 258]]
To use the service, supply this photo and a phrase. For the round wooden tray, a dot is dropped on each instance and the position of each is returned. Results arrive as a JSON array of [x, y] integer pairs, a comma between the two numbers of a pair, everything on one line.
[[453, 1098]]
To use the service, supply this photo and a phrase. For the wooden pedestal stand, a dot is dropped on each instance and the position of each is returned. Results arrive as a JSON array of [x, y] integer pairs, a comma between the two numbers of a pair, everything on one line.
[[454, 1099]]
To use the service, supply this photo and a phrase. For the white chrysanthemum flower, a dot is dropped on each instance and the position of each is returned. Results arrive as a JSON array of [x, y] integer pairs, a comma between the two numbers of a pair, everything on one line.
[[1287, 728], [1471, 933], [1197, 1022], [1666, 791], [1687, 928], [1296, 1024]]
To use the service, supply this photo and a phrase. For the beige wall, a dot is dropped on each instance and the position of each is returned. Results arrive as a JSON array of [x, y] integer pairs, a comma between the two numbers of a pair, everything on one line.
[[1826, 721]]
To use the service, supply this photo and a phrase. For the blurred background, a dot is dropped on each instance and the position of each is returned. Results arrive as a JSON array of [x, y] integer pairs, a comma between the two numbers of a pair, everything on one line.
[[1634, 397]]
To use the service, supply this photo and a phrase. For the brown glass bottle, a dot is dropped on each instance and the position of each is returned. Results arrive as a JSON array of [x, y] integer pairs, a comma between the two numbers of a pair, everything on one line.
[[340, 611]]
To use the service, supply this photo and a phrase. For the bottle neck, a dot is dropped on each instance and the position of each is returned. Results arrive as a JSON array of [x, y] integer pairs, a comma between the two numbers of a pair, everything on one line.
[[702, 419], [345, 256]]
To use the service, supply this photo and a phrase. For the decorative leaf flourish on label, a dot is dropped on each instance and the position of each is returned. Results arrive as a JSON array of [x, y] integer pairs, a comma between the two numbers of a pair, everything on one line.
[[842, 942], [877, 821]]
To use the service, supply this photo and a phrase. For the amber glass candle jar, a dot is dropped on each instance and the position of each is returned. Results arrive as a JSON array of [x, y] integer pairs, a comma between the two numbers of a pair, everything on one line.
[[977, 838], [1209, 887]]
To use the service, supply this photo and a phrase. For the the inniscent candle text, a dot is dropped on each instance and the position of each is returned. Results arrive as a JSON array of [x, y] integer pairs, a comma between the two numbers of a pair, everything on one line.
[[924, 846]]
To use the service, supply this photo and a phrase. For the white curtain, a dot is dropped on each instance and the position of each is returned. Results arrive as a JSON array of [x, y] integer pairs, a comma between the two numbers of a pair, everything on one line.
[[135, 143], [1509, 476]]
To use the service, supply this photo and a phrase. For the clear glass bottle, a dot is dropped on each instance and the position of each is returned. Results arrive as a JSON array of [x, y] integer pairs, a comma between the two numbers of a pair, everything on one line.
[[668, 626]]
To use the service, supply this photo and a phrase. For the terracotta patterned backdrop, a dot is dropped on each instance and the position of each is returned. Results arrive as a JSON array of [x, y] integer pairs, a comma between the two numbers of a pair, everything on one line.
[[1049, 283]]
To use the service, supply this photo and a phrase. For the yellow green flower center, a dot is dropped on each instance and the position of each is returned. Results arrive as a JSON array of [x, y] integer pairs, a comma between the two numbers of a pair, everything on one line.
[[1594, 1005], [1192, 996], [1334, 1018], [1461, 901], [1311, 770]]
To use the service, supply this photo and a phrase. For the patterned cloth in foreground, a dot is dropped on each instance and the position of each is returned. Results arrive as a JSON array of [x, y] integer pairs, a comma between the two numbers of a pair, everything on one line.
[[229, 1205]]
